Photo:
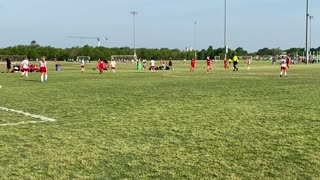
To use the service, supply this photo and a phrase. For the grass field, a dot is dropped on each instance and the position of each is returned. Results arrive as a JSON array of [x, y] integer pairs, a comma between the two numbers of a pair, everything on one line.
[[249, 124]]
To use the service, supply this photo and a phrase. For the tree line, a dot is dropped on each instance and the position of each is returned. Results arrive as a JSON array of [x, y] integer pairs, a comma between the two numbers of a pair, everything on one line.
[[34, 51]]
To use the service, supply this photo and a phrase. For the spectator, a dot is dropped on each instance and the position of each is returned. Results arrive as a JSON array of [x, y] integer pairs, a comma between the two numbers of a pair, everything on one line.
[[8, 64]]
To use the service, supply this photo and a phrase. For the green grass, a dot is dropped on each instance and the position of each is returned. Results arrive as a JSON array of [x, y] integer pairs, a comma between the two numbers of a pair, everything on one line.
[[250, 124]]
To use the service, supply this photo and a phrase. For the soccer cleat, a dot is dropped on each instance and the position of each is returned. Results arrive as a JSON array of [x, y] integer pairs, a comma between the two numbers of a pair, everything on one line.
[[280, 75]]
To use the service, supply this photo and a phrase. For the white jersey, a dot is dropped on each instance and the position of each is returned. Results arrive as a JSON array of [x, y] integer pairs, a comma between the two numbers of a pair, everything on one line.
[[283, 63], [25, 64], [82, 62], [153, 63], [113, 64], [249, 61], [43, 63]]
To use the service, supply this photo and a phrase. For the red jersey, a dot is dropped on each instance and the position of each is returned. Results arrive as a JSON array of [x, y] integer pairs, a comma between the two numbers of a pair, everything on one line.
[[193, 62], [101, 64], [208, 62], [288, 61], [225, 63]]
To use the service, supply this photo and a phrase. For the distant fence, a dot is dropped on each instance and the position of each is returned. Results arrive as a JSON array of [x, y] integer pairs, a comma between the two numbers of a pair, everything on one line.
[[12, 57]]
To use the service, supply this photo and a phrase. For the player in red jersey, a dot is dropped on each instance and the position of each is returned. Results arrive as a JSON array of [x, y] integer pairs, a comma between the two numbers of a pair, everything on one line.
[[193, 65], [209, 68], [288, 61], [100, 65], [226, 64], [43, 69]]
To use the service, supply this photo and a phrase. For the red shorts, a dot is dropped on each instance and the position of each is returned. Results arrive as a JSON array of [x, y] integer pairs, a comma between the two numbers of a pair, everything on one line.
[[25, 70], [82, 66], [43, 69], [192, 65], [152, 67], [113, 67], [283, 68]]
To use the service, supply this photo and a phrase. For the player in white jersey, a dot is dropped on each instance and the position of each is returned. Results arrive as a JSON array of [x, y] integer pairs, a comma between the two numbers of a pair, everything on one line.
[[113, 66], [153, 65], [283, 64], [144, 64], [248, 62], [43, 69], [25, 67], [82, 64]]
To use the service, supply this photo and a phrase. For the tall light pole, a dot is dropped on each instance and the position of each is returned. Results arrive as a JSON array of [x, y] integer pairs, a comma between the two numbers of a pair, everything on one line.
[[310, 32], [225, 30], [134, 13], [307, 32], [195, 39]]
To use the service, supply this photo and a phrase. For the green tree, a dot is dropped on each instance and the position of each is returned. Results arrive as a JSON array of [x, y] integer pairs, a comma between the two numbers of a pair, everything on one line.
[[210, 52], [34, 44], [240, 52]]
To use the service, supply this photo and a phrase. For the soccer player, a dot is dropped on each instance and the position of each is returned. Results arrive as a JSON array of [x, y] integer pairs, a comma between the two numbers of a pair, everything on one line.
[[283, 65], [226, 64], [163, 64], [153, 65], [235, 63], [209, 68], [288, 61], [193, 64], [25, 67], [170, 64], [8, 64], [82, 64], [248, 62], [43, 69], [274, 60], [113, 66], [100, 65], [144, 64]]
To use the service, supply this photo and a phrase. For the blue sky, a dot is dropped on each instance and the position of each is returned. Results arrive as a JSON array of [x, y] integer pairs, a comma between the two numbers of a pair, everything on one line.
[[252, 24]]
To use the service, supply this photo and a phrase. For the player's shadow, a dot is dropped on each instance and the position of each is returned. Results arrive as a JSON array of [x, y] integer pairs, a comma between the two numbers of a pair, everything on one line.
[[29, 80]]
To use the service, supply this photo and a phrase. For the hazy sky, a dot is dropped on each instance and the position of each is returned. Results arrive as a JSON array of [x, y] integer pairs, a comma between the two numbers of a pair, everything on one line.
[[252, 24]]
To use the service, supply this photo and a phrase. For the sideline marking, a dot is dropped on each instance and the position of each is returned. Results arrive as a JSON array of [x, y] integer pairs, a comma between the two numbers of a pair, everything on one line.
[[42, 118]]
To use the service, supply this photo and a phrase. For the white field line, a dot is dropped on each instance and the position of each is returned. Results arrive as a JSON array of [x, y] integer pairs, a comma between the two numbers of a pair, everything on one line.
[[42, 118]]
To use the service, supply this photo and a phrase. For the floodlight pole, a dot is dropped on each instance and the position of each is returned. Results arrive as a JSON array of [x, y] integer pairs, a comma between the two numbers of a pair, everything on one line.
[[225, 30], [310, 32], [195, 39], [134, 13], [307, 33]]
